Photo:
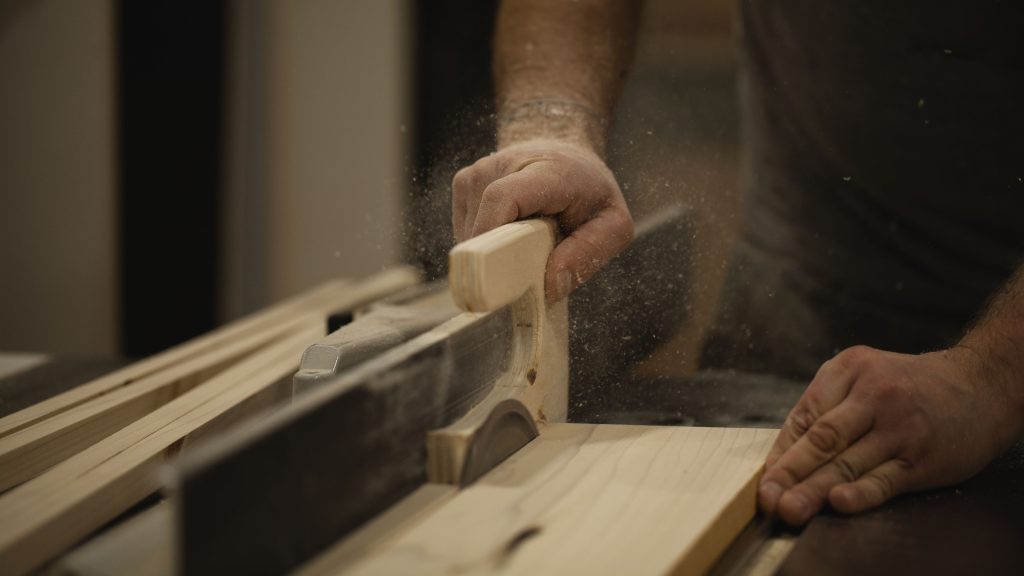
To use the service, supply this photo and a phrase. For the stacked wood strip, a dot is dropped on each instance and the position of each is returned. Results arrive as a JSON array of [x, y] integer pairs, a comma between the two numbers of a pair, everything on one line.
[[42, 435], [101, 447]]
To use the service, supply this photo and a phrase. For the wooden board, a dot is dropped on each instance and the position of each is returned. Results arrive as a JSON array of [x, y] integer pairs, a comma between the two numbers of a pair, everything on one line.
[[325, 295], [592, 499], [26, 452], [49, 513]]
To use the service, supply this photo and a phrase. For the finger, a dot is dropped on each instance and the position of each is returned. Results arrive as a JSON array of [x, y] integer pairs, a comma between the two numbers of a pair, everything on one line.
[[828, 437], [873, 488], [829, 387], [586, 250], [461, 190], [534, 190], [798, 504]]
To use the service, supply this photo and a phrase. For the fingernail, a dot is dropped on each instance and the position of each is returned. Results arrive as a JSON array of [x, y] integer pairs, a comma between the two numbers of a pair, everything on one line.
[[564, 284], [769, 494]]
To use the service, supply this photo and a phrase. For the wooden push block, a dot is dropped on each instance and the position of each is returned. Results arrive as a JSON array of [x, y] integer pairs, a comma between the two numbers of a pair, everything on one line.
[[500, 268]]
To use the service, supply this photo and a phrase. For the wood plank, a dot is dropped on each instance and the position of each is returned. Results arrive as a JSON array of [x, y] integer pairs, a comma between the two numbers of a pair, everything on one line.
[[49, 513], [324, 296], [593, 499], [27, 452]]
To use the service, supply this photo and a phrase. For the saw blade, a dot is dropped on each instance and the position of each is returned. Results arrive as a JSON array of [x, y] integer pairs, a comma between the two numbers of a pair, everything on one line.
[[507, 428]]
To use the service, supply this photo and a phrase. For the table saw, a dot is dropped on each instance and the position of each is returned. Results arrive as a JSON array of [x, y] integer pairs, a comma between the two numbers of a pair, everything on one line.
[[423, 434]]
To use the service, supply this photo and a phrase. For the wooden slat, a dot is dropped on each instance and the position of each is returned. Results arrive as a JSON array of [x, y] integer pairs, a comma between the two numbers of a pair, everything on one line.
[[592, 499], [27, 452], [44, 516], [205, 343], [34, 448]]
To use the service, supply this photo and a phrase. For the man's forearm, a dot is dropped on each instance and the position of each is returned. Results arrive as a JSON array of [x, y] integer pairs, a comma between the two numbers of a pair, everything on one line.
[[996, 345], [559, 66]]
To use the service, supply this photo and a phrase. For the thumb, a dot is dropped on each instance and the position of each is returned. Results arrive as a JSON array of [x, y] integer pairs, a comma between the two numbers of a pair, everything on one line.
[[586, 250]]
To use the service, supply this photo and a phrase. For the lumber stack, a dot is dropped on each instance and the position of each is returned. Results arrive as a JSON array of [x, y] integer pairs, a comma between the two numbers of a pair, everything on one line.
[[76, 461]]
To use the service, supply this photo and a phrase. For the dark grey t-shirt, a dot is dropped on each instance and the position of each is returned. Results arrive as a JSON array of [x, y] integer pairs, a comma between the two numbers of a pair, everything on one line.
[[883, 174]]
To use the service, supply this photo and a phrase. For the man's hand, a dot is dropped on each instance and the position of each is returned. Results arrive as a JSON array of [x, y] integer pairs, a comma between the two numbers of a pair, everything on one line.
[[876, 424], [558, 69], [547, 178]]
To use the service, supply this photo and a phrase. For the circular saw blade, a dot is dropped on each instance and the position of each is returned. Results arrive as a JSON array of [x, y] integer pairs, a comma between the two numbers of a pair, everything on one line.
[[508, 427]]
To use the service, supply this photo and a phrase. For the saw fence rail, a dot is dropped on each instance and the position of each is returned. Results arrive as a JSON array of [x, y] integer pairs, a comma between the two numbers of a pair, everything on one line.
[[76, 461]]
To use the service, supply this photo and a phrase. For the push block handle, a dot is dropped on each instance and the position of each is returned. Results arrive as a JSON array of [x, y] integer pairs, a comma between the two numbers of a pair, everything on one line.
[[506, 266]]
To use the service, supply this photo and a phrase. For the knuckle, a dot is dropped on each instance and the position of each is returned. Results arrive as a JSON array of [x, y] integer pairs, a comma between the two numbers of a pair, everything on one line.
[[917, 431], [904, 469], [623, 229], [825, 437], [890, 393], [495, 193], [780, 473], [800, 420], [884, 485], [846, 470], [885, 388], [509, 160], [852, 358], [462, 181], [592, 254]]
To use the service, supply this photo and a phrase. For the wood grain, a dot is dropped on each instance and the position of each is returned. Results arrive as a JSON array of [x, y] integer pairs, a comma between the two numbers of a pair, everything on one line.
[[592, 499], [77, 424]]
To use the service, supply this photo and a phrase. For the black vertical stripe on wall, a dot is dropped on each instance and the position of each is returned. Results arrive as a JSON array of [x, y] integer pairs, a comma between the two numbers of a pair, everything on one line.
[[171, 84]]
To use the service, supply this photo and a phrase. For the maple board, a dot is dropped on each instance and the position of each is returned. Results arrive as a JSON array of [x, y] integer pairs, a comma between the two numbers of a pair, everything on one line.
[[592, 499]]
